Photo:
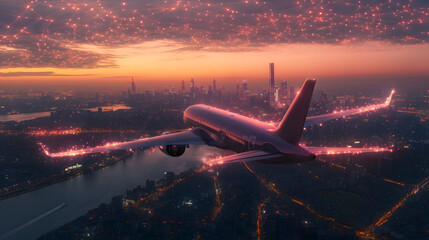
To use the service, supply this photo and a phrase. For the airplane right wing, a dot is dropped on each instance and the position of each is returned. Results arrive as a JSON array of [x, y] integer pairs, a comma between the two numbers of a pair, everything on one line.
[[326, 117], [244, 157], [318, 151], [191, 136]]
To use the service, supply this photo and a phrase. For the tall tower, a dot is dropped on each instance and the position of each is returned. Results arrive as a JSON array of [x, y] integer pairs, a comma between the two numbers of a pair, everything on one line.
[[272, 87], [214, 85], [192, 87], [271, 76], [183, 86], [133, 87]]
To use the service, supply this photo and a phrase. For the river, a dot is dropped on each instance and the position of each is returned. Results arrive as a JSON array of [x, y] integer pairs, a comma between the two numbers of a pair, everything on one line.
[[29, 116], [86, 192]]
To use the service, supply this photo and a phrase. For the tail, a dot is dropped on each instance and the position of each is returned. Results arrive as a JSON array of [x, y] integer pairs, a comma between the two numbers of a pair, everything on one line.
[[292, 124]]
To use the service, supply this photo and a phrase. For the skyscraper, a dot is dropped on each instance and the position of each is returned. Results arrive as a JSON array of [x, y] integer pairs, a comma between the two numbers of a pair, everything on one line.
[[183, 86], [271, 76], [192, 87], [133, 87], [292, 93], [272, 87], [283, 92], [244, 90], [244, 85], [210, 91], [214, 85]]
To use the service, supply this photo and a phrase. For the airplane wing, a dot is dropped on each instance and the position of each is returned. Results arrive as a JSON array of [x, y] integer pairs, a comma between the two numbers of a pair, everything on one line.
[[341, 114], [318, 151], [264, 155], [179, 138], [244, 157]]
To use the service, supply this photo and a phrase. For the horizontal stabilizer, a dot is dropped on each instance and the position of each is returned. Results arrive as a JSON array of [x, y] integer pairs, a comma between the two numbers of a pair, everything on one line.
[[244, 157], [319, 151]]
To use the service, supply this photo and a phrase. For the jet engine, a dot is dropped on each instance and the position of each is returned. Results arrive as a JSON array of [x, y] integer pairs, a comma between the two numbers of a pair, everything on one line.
[[173, 150]]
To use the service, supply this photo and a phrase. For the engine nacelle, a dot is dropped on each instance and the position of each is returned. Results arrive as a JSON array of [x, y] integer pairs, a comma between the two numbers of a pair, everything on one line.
[[173, 150]]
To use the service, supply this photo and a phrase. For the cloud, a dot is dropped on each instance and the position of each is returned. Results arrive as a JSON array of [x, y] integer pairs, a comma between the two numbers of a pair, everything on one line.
[[34, 74], [47, 33], [116, 77]]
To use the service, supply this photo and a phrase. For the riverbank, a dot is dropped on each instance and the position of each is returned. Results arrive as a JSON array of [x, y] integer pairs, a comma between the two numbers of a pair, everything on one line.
[[57, 178], [30, 116], [88, 191]]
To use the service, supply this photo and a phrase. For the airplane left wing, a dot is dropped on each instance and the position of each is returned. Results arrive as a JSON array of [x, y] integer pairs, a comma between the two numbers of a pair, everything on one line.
[[244, 157], [318, 151], [326, 117], [179, 138]]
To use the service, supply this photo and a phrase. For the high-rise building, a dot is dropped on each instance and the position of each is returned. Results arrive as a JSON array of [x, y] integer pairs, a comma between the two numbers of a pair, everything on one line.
[[292, 93], [183, 86], [133, 87], [283, 92], [192, 87], [271, 76], [272, 86], [244, 85], [276, 94], [283, 88], [214, 85], [244, 90]]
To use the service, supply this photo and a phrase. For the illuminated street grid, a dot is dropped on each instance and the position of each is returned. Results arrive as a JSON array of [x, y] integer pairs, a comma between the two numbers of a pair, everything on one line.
[[159, 192], [368, 232], [332, 164], [259, 219], [218, 206], [385, 217], [271, 186]]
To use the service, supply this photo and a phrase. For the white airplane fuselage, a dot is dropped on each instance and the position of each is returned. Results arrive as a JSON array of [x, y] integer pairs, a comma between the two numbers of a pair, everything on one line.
[[238, 133]]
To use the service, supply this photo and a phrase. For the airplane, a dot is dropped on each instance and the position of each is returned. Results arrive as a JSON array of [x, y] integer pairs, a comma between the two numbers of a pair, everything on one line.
[[250, 139]]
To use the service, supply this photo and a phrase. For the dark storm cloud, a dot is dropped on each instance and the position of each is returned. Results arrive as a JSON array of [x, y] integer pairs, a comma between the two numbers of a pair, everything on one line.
[[45, 34]]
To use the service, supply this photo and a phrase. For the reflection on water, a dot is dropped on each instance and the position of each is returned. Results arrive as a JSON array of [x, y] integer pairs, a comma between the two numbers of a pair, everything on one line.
[[88, 191], [23, 116], [29, 116]]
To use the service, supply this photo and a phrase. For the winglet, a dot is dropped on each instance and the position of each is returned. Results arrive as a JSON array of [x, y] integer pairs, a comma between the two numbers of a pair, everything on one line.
[[389, 99], [45, 151], [291, 126]]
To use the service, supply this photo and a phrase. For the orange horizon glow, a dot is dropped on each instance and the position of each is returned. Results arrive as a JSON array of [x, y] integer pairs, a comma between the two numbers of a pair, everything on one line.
[[164, 61]]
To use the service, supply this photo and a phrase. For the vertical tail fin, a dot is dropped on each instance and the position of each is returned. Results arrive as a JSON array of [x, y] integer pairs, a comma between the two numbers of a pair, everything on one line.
[[292, 124]]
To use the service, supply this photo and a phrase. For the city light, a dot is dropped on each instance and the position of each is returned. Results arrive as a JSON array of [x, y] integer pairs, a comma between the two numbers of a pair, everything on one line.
[[202, 119]]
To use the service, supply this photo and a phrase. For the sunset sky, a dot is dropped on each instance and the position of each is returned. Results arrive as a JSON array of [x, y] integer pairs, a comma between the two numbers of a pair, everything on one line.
[[230, 40]]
